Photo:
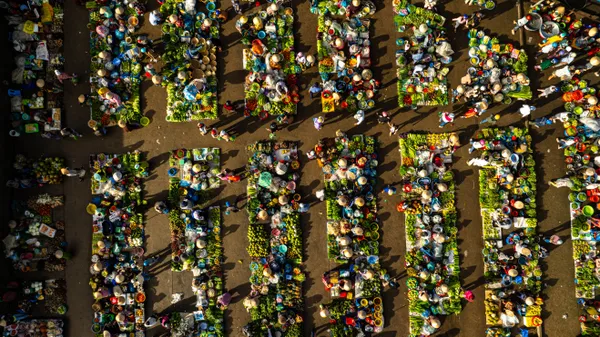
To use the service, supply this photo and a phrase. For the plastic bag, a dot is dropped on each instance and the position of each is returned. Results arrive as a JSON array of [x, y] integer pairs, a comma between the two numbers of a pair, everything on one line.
[[41, 52]]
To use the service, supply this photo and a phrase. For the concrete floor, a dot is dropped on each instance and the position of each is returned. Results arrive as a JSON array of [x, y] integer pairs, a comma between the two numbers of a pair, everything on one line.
[[160, 137]]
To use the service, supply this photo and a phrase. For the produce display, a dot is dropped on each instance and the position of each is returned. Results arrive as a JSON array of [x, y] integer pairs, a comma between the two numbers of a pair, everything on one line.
[[190, 57], [116, 65], [42, 327], [117, 243], [350, 171], [498, 73], [486, 4], [34, 235], [422, 56], [344, 54], [51, 294], [275, 241], [432, 258], [193, 173], [29, 172], [36, 92], [271, 86], [582, 156], [567, 35], [349, 167], [512, 250]]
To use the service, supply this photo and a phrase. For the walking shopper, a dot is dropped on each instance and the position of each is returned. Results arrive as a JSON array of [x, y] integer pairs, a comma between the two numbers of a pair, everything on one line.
[[526, 110], [202, 128], [315, 90], [359, 116], [318, 122], [69, 132], [383, 117], [228, 105], [393, 128], [446, 118], [67, 172]]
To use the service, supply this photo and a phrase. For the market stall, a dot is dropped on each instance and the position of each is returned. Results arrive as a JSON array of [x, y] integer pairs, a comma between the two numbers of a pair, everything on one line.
[[349, 170], [35, 236], [512, 250], [116, 66], [192, 174], [275, 241], [42, 327], [485, 4], [581, 151], [271, 86], [190, 60], [432, 258], [36, 91], [498, 73], [422, 56], [565, 37], [46, 298], [117, 243], [30, 173], [344, 55]]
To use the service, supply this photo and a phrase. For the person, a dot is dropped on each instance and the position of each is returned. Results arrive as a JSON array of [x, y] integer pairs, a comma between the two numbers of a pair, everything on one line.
[[554, 239], [69, 132], [150, 261], [520, 23], [228, 105], [214, 133], [80, 173], [318, 122], [202, 128], [359, 116], [542, 121], [547, 91], [492, 119], [320, 194], [224, 300], [230, 208], [526, 110], [389, 190], [217, 43], [460, 20], [393, 128], [315, 90], [303, 207], [225, 136], [236, 6], [164, 321], [273, 127], [83, 100], [99, 130], [151, 322], [161, 207], [564, 73], [234, 178], [383, 117], [446, 118], [50, 135], [155, 17], [468, 295]]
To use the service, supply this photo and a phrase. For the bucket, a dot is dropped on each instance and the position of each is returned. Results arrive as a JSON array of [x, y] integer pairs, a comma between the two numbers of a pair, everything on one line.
[[144, 121], [535, 23], [14, 133], [211, 6], [588, 211]]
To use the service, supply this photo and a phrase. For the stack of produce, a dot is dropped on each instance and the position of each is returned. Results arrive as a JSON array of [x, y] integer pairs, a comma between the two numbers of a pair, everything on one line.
[[190, 58], [42, 328], [349, 167], [498, 73], [116, 66], [432, 251], [34, 237], [29, 173], [582, 156], [512, 250], [344, 54], [275, 241], [421, 58], [36, 92], [269, 56], [117, 243]]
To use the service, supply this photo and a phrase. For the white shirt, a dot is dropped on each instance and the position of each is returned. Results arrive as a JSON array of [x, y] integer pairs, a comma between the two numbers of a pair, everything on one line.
[[525, 110]]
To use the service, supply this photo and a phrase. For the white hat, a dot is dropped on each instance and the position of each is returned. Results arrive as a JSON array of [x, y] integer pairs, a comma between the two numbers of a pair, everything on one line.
[[593, 32], [595, 60], [120, 317], [460, 89], [156, 79], [243, 19], [423, 28], [40, 83], [592, 100], [120, 278], [117, 176]]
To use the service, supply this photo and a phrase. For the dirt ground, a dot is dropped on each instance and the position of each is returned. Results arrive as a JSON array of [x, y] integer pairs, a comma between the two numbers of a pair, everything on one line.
[[160, 137]]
